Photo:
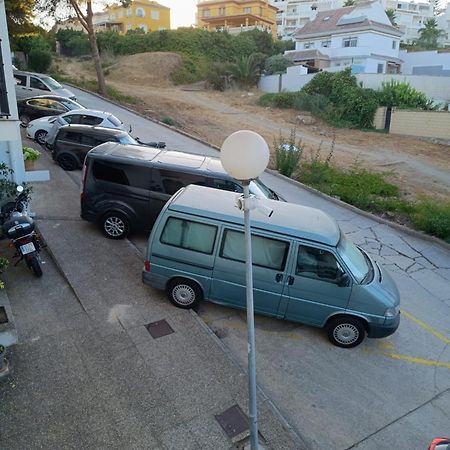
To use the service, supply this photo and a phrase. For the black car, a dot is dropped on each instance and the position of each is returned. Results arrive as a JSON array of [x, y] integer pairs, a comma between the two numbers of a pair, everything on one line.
[[44, 105]]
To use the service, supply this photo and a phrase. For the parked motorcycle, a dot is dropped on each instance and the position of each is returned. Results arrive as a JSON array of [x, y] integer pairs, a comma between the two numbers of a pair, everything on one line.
[[18, 226]]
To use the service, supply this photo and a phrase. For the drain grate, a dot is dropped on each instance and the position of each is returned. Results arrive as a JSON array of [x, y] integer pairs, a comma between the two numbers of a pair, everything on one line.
[[159, 329], [3, 315], [233, 421]]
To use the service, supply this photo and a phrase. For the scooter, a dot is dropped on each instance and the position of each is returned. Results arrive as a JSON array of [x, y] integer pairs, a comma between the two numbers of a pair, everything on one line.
[[18, 226]]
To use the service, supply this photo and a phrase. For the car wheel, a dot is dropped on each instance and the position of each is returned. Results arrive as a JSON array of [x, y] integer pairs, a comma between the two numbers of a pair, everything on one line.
[[184, 293], [67, 162], [115, 225], [24, 120], [346, 332], [40, 136]]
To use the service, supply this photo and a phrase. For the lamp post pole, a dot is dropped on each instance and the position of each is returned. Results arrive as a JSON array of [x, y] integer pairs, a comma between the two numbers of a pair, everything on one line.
[[244, 156], [253, 418]]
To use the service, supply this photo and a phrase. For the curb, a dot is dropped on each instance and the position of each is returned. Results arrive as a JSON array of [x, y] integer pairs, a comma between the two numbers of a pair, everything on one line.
[[369, 215], [404, 229]]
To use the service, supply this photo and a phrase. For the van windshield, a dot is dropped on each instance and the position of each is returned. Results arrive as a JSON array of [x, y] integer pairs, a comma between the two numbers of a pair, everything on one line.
[[51, 83], [354, 258], [258, 188]]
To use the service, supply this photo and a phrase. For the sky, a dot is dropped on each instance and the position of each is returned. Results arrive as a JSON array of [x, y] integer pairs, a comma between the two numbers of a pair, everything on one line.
[[182, 12]]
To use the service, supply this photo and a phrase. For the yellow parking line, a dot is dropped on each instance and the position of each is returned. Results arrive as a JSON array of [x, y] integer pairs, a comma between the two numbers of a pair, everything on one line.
[[426, 362], [435, 333]]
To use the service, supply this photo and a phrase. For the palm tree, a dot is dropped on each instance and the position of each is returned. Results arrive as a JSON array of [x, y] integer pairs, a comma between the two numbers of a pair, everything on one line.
[[246, 71], [430, 34], [391, 15]]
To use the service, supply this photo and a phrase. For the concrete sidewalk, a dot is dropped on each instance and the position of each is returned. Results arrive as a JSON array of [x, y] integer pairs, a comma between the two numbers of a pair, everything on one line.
[[87, 373]]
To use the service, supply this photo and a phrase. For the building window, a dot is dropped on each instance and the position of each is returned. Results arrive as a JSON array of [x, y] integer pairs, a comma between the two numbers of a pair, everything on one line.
[[120, 13], [308, 45], [326, 43], [247, 10], [221, 11], [129, 12], [394, 44], [155, 15], [4, 105], [350, 42], [380, 68], [206, 13], [140, 12]]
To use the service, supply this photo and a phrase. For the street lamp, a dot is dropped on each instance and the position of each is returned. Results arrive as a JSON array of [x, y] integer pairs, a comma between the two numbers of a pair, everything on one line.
[[245, 155]]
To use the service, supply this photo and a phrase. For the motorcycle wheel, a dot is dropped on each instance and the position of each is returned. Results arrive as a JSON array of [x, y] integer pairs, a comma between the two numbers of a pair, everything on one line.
[[36, 267]]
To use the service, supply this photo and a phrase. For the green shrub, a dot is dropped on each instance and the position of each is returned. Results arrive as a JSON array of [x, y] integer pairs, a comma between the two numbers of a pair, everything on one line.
[[219, 76], [316, 103], [321, 83], [403, 95], [281, 100], [277, 64], [168, 121], [193, 69], [288, 153], [39, 59], [433, 217]]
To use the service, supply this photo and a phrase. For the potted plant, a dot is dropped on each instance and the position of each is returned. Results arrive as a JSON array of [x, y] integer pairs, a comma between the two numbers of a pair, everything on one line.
[[2, 356], [4, 263], [30, 155]]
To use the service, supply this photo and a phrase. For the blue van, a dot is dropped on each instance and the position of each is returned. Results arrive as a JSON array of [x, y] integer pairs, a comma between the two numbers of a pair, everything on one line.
[[304, 268]]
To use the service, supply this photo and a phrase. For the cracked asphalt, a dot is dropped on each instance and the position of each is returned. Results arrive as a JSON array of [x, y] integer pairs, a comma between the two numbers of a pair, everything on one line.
[[392, 392]]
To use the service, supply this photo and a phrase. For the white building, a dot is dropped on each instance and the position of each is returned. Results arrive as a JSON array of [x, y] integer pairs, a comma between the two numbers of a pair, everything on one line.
[[410, 16], [294, 14], [444, 24], [359, 36]]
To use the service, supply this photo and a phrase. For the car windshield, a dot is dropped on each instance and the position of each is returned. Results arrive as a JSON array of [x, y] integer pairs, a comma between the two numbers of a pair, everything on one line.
[[70, 104], [50, 82], [354, 258], [127, 139], [258, 188]]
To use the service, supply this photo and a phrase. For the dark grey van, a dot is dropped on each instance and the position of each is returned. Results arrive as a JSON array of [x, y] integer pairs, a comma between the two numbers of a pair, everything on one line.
[[124, 187]]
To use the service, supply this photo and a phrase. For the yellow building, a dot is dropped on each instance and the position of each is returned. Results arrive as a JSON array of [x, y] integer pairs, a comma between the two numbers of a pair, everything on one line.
[[237, 15], [144, 14]]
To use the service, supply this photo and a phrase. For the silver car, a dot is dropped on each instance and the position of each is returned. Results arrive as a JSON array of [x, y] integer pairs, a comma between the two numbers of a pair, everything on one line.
[[29, 84]]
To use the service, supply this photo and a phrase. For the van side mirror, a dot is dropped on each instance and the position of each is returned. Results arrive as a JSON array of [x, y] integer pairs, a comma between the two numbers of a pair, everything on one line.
[[343, 279]]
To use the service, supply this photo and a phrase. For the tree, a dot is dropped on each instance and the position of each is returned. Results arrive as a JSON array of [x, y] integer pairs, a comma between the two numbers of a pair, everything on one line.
[[81, 10], [277, 64], [349, 2], [390, 12], [430, 34], [246, 71], [19, 14]]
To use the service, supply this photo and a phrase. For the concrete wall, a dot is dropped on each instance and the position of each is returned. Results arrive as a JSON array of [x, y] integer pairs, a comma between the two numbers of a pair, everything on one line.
[[433, 124], [380, 118], [436, 88], [426, 63]]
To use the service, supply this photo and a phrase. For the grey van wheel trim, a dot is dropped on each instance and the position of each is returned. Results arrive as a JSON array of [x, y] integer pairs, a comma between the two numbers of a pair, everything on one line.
[[114, 226]]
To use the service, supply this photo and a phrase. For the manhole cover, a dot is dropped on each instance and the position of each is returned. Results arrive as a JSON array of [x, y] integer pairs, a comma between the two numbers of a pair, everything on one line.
[[3, 316], [159, 329], [233, 421]]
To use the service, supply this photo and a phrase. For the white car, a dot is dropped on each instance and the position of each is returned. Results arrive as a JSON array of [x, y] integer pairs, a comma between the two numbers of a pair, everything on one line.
[[44, 130]]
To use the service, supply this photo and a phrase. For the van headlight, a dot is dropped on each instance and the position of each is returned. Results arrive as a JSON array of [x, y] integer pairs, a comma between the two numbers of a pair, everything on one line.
[[392, 312]]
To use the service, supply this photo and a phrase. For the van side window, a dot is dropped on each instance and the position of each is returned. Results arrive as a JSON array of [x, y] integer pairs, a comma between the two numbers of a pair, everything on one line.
[[169, 182], [316, 263], [225, 185], [107, 172], [266, 252], [38, 84], [195, 236], [22, 80], [70, 136]]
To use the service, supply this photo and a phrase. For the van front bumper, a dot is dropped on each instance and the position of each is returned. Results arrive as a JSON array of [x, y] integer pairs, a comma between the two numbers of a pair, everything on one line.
[[156, 281], [389, 327]]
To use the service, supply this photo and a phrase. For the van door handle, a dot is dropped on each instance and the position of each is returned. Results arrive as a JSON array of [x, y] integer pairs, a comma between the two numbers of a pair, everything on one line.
[[278, 277], [290, 280]]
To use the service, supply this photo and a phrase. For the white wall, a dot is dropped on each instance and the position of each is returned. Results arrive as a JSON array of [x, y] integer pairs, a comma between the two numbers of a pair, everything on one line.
[[435, 88], [429, 59]]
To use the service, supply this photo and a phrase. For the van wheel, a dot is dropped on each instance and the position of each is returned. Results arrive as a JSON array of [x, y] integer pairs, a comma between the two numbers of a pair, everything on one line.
[[184, 293], [115, 225], [346, 332], [40, 136], [67, 162]]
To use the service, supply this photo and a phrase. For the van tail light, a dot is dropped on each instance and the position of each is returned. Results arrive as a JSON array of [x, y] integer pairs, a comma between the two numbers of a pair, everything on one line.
[[83, 181], [147, 265]]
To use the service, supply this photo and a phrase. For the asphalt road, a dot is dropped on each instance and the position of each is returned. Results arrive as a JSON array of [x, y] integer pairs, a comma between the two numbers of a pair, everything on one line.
[[386, 393]]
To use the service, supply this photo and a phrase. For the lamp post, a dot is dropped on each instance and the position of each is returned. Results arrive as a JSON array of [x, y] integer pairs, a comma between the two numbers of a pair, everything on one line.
[[245, 155]]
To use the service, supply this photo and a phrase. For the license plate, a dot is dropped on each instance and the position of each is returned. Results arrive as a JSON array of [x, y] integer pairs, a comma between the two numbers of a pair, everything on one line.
[[27, 248]]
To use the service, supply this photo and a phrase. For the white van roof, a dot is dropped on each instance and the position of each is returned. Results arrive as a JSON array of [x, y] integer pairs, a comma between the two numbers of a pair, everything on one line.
[[287, 218]]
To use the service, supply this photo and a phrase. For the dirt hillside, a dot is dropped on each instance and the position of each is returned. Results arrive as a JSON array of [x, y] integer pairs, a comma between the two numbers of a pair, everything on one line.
[[417, 166]]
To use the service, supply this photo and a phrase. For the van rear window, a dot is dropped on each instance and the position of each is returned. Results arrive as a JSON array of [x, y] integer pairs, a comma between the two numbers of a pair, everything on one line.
[[266, 252], [107, 172], [189, 235]]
